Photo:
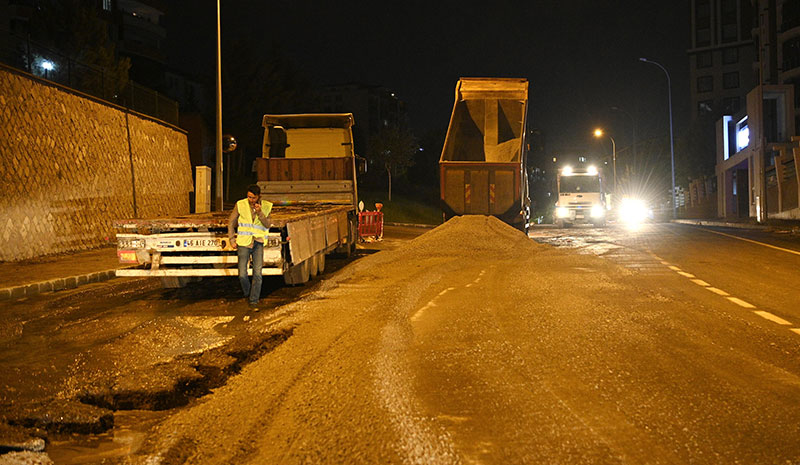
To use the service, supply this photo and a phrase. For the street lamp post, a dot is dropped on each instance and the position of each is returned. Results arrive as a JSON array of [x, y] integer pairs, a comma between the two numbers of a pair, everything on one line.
[[599, 133], [218, 167], [671, 143]]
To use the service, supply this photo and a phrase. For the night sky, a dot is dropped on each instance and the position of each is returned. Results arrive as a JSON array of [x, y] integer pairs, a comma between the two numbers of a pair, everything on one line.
[[580, 56]]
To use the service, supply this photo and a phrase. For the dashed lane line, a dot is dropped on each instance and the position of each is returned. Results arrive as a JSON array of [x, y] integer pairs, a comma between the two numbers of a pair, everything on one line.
[[766, 315], [717, 291], [774, 318], [741, 302], [752, 241]]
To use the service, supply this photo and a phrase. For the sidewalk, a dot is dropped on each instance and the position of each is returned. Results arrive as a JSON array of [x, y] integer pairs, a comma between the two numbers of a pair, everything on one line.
[[769, 225], [57, 272]]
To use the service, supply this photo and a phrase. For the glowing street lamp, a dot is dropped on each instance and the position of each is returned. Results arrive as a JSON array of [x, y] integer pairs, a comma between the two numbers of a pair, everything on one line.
[[47, 65], [599, 133]]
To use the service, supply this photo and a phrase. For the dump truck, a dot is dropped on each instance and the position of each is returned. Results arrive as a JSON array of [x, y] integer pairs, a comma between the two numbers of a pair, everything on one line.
[[483, 164], [307, 170], [581, 196]]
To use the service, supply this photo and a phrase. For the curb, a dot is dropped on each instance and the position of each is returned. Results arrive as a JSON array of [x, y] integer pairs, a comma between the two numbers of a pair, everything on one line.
[[57, 284], [722, 224]]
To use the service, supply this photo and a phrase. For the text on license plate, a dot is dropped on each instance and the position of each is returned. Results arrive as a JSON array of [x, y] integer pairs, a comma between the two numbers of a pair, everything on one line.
[[201, 242]]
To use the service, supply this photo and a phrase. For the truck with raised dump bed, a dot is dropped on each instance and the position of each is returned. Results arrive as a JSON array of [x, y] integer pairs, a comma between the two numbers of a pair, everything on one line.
[[307, 170], [482, 168]]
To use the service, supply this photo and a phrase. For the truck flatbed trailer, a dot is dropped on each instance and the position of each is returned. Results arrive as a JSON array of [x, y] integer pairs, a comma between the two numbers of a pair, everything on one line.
[[308, 172]]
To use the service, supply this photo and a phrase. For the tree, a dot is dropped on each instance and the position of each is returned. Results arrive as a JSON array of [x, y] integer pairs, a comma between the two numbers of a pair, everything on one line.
[[393, 148]]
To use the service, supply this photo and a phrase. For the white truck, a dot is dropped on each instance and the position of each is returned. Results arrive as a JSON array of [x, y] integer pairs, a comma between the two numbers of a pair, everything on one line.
[[307, 170], [581, 197]]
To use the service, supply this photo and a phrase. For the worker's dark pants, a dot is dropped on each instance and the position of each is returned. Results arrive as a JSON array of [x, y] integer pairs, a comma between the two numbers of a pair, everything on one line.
[[257, 253]]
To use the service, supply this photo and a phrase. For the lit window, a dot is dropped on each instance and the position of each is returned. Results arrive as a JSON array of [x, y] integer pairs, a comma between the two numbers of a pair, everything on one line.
[[107, 5]]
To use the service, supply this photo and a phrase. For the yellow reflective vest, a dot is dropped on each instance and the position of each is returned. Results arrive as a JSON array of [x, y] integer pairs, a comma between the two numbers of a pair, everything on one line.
[[249, 227]]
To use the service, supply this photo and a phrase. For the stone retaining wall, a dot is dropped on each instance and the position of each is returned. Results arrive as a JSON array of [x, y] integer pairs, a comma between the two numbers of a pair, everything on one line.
[[71, 164]]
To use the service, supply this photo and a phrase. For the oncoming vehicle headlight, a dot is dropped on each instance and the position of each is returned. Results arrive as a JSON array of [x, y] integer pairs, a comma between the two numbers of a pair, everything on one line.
[[562, 212], [597, 211], [632, 211]]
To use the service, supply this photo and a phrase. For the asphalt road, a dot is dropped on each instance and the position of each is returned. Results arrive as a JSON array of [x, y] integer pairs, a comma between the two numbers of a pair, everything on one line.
[[476, 345], [672, 344]]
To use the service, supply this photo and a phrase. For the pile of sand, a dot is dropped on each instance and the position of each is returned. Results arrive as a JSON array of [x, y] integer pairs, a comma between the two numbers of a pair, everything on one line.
[[470, 234]]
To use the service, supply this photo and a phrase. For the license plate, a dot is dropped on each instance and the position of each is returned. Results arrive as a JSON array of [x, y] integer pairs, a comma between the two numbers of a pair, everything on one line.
[[201, 243]]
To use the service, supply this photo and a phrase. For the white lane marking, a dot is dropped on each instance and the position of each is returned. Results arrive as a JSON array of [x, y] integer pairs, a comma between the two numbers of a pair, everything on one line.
[[418, 313], [717, 291], [664, 263], [741, 302], [700, 282], [674, 268], [469, 285], [447, 290], [754, 242], [686, 275], [795, 330], [769, 316]]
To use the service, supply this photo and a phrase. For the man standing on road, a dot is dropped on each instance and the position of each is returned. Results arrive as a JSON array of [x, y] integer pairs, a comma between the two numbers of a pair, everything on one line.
[[250, 219]]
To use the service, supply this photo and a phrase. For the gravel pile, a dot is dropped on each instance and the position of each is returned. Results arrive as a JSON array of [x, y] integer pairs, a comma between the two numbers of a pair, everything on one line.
[[470, 234]]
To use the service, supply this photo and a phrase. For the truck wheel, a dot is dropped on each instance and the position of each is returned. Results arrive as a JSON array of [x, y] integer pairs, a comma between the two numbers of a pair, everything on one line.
[[297, 274]]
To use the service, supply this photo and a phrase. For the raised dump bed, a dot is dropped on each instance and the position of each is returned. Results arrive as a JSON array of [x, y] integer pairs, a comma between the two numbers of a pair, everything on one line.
[[482, 167]]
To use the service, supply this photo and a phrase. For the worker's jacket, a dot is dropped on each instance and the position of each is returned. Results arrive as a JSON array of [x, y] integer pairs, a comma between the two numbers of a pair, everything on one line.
[[251, 228]]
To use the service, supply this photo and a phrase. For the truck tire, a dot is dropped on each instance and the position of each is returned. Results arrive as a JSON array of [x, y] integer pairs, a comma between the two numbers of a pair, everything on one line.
[[297, 274]]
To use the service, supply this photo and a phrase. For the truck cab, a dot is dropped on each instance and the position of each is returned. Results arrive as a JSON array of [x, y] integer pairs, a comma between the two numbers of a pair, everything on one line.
[[581, 197]]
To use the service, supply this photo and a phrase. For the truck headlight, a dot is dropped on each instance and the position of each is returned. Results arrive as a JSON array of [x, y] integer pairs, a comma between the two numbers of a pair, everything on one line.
[[597, 211], [562, 212]]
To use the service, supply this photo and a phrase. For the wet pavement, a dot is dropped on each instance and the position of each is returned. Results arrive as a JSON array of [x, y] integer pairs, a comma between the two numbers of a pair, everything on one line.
[[77, 359]]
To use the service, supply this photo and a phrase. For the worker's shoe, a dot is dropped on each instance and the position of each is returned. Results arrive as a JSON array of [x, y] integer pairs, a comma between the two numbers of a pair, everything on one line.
[[253, 306]]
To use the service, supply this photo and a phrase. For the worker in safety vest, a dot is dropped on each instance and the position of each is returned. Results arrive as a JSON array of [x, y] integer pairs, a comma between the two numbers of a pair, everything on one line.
[[250, 220]]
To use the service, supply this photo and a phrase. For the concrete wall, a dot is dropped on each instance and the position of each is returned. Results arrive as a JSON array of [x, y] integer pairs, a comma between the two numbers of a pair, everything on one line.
[[70, 165]]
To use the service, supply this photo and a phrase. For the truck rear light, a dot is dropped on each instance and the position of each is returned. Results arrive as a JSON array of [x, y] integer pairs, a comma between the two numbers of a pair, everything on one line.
[[127, 256]]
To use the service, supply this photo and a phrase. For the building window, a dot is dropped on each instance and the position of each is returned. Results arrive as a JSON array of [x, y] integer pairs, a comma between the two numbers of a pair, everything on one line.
[[791, 54], [704, 60], [705, 83], [730, 56], [730, 80], [730, 105], [703, 37], [107, 5]]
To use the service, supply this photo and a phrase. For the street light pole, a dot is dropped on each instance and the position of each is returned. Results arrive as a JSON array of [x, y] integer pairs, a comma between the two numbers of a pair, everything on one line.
[[598, 133], [671, 143], [218, 167]]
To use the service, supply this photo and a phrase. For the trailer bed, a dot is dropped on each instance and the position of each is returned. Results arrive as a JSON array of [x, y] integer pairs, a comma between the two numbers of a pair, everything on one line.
[[279, 217]]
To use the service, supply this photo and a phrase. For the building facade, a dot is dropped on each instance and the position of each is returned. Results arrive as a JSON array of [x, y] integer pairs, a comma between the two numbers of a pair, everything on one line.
[[757, 144]]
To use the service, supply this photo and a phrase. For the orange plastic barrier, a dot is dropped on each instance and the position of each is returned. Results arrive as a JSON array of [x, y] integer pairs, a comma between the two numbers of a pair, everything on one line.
[[370, 225]]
